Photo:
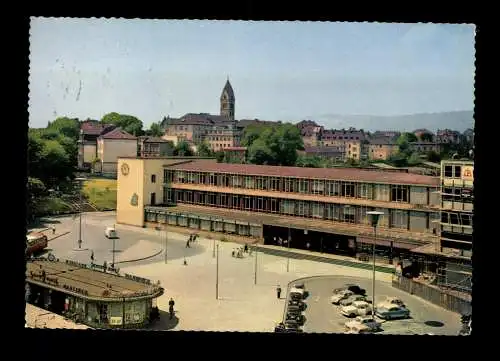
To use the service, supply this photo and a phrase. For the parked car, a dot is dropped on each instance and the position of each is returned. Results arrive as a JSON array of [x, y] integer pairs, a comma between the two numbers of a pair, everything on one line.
[[337, 297], [392, 312], [353, 298], [365, 321], [296, 293], [357, 308], [390, 301], [355, 289], [296, 305], [356, 329]]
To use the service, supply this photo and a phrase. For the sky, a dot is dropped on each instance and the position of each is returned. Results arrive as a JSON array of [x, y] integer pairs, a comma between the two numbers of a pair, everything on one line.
[[288, 71]]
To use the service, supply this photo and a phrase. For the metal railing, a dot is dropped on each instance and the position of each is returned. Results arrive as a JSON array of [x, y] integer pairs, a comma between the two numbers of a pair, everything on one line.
[[434, 294]]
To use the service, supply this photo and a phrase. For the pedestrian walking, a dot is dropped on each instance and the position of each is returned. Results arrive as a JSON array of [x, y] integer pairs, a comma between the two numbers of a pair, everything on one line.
[[53, 230], [246, 248], [92, 257], [278, 291], [171, 304], [187, 244], [308, 245]]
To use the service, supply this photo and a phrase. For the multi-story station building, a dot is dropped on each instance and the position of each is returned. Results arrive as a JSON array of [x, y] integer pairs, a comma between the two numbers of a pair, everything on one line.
[[325, 208]]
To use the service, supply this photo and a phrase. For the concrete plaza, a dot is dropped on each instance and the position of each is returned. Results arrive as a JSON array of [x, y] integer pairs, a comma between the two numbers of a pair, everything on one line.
[[242, 305]]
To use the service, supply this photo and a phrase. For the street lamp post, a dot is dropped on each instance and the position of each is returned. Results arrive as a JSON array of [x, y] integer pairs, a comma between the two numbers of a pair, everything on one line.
[[166, 240], [374, 216], [288, 253], [113, 264], [255, 267], [80, 179], [217, 276]]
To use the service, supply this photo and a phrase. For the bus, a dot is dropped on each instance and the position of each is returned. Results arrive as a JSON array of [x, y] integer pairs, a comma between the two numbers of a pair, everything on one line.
[[35, 243]]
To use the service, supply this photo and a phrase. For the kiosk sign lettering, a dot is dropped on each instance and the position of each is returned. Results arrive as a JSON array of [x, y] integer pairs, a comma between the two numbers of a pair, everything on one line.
[[468, 173], [115, 321]]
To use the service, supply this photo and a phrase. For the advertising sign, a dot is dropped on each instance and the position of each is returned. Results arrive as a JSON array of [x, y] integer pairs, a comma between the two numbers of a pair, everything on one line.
[[115, 321], [468, 173]]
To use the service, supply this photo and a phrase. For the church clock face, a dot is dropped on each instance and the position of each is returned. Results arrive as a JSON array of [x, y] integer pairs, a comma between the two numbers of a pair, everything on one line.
[[125, 169]]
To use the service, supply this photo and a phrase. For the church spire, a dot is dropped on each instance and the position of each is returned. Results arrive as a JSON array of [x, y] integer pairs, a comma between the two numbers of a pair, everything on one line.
[[227, 101]]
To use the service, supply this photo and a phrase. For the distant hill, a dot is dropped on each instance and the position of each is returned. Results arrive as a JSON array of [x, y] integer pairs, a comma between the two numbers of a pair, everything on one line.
[[457, 120]]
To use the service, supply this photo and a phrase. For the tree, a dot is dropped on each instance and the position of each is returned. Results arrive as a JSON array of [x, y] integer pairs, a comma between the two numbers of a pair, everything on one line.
[[183, 149], [309, 161], [68, 127], [414, 159], [274, 145], [128, 123], [398, 160], [204, 150], [259, 153], [432, 156], [219, 156], [155, 130]]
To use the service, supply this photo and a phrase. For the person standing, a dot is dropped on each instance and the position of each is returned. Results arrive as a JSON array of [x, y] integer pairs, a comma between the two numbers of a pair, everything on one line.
[[92, 257], [278, 291], [171, 304]]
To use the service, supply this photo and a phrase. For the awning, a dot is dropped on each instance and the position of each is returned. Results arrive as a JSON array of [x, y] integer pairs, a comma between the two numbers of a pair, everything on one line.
[[387, 243]]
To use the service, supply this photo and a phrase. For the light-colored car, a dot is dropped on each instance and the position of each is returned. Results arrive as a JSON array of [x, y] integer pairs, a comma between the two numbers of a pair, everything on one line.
[[365, 321], [297, 292], [391, 301], [357, 329], [110, 232], [336, 298], [353, 298], [392, 312], [357, 308]]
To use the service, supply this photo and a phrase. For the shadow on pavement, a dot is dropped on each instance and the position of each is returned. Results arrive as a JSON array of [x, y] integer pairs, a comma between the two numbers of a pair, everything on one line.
[[164, 323], [433, 323]]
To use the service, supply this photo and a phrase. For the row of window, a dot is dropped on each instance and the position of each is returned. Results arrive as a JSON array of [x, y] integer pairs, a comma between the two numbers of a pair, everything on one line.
[[392, 193], [328, 211], [456, 218], [463, 195], [453, 171]]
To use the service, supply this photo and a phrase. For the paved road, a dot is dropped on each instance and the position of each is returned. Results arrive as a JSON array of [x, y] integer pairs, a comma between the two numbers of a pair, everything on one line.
[[322, 316], [132, 244]]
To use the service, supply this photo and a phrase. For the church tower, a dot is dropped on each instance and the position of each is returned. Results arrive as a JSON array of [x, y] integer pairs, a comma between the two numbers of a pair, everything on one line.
[[227, 101]]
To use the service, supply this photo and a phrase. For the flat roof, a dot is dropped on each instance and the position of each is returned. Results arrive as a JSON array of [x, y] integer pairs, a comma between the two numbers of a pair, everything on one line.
[[74, 278], [346, 174]]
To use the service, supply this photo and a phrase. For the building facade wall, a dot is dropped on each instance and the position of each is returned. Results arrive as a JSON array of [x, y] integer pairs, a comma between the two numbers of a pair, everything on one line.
[[89, 152], [457, 206], [381, 151], [130, 192]]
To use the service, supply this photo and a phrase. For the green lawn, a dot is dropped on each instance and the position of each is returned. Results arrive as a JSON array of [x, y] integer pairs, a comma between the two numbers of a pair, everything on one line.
[[101, 192]]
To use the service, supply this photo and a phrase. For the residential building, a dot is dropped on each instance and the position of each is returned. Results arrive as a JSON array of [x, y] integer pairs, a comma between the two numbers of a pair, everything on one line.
[[324, 207], [154, 147], [336, 153], [112, 145], [386, 133], [420, 132], [447, 136], [222, 137], [90, 130], [382, 148], [423, 147], [352, 140], [219, 131]]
